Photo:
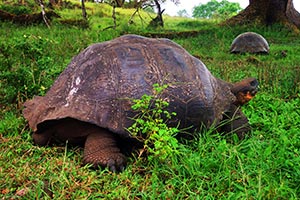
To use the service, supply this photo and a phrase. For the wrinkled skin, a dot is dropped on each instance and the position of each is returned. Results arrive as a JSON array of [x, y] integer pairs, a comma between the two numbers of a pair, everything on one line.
[[90, 102]]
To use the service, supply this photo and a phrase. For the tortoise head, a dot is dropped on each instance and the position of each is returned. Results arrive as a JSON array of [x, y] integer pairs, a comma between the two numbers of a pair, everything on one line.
[[244, 90]]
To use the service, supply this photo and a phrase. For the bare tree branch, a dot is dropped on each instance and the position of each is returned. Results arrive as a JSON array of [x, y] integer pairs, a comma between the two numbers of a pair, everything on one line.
[[84, 15], [114, 3], [44, 13]]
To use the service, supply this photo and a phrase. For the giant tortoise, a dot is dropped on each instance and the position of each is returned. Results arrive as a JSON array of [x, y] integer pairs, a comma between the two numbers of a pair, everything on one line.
[[90, 102], [250, 42]]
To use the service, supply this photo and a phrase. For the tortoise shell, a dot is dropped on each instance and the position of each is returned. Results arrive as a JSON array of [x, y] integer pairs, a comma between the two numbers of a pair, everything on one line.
[[99, 84], [249, 42]]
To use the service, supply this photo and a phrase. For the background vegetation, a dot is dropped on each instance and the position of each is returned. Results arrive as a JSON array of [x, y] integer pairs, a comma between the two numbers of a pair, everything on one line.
[[215, 9], [266, 165]]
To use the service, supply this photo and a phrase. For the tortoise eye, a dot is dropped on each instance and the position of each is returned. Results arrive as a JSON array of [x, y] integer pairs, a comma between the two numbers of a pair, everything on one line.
[[254, 83]]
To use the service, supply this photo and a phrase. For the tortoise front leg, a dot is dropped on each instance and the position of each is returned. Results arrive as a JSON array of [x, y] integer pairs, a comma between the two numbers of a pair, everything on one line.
[[43, 138], [100, 149], [235, 122]]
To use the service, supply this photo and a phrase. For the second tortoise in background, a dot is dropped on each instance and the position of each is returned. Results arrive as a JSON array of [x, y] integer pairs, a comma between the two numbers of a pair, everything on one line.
[[250, 42]]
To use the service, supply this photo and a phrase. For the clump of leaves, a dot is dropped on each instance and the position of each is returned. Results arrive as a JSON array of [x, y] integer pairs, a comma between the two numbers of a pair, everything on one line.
[[150, 125]]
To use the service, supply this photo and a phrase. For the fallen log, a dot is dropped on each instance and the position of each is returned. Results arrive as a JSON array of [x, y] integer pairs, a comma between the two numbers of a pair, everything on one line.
[[26, 19]]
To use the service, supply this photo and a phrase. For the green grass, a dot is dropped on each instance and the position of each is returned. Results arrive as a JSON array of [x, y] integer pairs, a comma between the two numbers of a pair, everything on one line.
[[266, 165]]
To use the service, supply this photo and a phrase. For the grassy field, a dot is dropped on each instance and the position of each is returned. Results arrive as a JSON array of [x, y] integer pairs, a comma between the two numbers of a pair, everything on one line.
[[266, 165]]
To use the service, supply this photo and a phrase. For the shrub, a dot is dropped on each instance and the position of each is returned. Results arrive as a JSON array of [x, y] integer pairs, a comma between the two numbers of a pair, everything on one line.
[[150, 125]]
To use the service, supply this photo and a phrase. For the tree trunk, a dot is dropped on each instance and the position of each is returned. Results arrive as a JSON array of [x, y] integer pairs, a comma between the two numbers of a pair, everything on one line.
[[55, 4], [268, 12], [114, 15], [84, 15], [120, 3], [44, 13], [158, 20]]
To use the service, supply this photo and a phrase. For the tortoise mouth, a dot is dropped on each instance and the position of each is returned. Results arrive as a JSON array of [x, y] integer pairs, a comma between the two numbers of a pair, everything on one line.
[[250, 94], [249, 90], [253, 91]]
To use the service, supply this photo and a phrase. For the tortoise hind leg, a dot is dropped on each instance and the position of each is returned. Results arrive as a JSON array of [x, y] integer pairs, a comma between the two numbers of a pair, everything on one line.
[[100, 149]]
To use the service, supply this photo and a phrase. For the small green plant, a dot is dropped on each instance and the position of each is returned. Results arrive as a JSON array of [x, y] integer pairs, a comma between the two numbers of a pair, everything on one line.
[[28, 75], [150, 125]]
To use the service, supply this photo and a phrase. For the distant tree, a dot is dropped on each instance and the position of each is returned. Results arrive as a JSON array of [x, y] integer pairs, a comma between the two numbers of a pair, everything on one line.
[[84, 15], [182, 13], [55, 3], [214, 8], [145, 4], [228, 9], [268, 12], [41, 3], [119, 3], [158, 20]]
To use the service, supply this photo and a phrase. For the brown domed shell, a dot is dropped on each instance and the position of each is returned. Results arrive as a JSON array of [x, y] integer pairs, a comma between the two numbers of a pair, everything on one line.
[[249, 42], [98, 85]]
